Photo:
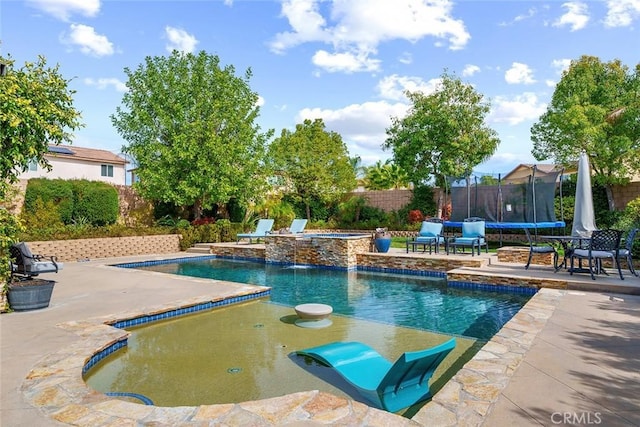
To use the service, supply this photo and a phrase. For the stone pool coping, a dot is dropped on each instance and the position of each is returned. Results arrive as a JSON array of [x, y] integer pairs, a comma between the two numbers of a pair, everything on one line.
[[55, 385]]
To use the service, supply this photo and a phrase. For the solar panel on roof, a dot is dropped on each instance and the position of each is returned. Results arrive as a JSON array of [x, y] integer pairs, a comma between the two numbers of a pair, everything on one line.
[[60, 150]]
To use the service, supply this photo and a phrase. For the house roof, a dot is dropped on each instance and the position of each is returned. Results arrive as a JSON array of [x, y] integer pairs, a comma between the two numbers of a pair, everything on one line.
[[524, 170], [86, 154]]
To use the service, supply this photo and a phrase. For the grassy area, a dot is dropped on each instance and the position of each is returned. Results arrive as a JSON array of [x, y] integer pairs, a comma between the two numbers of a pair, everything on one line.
[[400, 242]]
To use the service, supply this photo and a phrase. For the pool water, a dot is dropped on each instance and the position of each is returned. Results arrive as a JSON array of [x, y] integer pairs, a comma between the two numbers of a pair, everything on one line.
[[420, 302], [246, 352]]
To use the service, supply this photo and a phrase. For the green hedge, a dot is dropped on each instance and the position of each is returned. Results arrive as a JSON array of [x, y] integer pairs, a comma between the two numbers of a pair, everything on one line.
[[95, 202], [75, 201], [56, 192]]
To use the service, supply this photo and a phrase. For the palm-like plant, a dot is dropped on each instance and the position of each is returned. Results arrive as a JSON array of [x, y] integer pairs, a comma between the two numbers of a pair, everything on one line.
[[383, 176]]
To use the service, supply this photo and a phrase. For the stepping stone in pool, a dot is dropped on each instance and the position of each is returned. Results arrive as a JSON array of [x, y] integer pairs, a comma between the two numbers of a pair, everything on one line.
[[313, 315]]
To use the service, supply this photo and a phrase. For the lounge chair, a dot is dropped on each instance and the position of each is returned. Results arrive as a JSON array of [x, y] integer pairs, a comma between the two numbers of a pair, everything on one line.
[[297, 226], [430, 234], [473, 236], [386, 385], [28, 264], [262, 229]]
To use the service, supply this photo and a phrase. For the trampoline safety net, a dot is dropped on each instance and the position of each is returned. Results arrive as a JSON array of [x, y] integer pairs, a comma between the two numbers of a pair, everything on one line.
[[528, 199]]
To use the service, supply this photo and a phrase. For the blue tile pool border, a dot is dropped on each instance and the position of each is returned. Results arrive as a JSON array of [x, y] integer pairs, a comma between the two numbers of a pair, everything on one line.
[[404, 271], [489, 287]]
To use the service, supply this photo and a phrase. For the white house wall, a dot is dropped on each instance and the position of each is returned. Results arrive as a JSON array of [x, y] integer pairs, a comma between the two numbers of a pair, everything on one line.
[[73, 168]]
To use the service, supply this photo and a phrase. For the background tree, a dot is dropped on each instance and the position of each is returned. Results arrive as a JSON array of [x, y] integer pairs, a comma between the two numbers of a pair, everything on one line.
[[37, 110], [189, 124], [384, 176], [312, 163], [443, 134], [595, 108]]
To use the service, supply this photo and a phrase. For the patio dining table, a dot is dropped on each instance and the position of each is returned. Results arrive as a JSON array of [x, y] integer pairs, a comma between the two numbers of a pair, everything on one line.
[[568, 244]]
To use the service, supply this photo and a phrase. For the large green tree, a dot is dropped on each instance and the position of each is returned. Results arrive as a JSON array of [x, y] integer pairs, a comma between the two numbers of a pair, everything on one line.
[[312, 163], [36, 110], [443, 134], [595, 108], [190, 126]]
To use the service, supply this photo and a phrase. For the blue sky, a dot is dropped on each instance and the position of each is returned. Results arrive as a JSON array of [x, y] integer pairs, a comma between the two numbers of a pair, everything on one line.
[[345, 61]]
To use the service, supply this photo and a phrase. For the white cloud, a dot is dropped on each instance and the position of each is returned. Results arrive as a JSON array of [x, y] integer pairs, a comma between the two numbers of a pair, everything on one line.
[[393, 87], [561, 65], [89, 42], [519, 73], [530, 14], [470, 70], [347, 61], [63, 9], [622, 12], [577, 16], [406, 58], [517, 109], [357, 27], [105, 82], [179, 40], [362, 126]]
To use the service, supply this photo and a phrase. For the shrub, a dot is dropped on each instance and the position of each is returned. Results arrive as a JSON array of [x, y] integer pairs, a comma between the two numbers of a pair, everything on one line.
[[422, 200], [57, 191], [203, 221], [415, 215], [95, 201], [42, 215]]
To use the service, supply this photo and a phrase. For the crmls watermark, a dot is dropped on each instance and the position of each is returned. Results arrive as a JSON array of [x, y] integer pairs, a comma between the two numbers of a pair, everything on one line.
[[572, 418]]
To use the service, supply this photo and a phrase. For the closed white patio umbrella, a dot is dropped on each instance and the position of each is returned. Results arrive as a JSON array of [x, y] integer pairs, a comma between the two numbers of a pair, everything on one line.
[[583, 216]]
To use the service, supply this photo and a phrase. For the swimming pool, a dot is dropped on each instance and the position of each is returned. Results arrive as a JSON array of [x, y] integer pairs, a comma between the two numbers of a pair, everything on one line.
[[246, 352], [421, 302]]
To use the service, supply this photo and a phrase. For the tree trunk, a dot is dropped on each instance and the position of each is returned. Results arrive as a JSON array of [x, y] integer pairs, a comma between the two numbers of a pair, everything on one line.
[[308, 209], [197, 209], [610, 200]]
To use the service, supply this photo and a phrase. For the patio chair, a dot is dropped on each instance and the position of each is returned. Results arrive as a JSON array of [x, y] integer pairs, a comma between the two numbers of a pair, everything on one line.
[[473, 236], [625, 252], [430, 234], [297, 226], [262, 229], [386, 385], [25, 263], [603, 244], [540, 248]]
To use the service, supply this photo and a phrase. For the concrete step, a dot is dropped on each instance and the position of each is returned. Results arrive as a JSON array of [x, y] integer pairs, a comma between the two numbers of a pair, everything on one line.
[[202, 245], [199, 250]]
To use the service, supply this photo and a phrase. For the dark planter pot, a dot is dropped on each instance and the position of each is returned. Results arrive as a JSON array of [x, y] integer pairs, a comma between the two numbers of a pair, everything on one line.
[[382, 243], [30, 294]]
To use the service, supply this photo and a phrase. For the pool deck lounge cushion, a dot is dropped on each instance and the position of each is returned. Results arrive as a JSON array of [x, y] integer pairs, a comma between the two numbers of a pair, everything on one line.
[[262, 229], [386, 385]]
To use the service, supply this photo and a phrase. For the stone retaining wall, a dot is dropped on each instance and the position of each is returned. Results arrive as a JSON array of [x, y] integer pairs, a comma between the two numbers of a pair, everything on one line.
[[410, 262], [326, 251], [237, 250], [519, 255], [107, 247]]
